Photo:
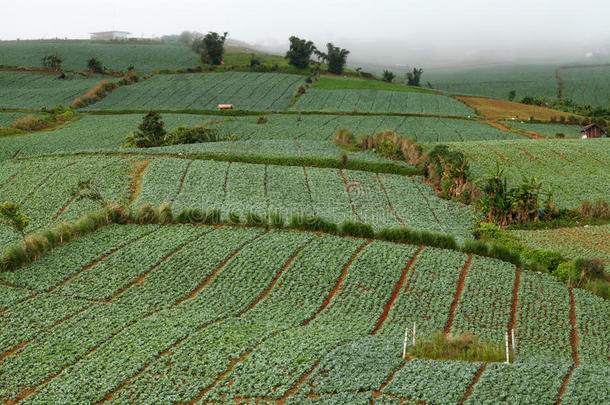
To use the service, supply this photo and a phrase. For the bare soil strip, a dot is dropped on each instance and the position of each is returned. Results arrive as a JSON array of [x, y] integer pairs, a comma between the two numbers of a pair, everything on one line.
[[574, 344], [186, 170], [397, 288], [475, 380], [378, 392], [426, 200], [458, 293], [137, 172], [587, 241], [335, 289], [308, 189]]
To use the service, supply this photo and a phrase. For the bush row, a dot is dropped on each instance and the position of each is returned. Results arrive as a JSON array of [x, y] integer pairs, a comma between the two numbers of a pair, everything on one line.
[[57, 116]]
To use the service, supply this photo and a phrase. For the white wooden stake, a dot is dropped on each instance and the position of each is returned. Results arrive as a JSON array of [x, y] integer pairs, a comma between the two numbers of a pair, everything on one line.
[[507, 358], [413, 333], [404, 346], [512, 332]]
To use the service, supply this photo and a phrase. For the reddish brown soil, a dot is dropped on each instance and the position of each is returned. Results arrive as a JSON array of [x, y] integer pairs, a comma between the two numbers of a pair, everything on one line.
[[458, 293]]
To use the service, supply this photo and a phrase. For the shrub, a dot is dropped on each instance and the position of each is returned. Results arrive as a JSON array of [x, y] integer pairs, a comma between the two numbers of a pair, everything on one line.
[[345, 137], [388, 76], [146, 215], [566, 272], [151, 132], [165, 213], [543, 260], [186, 135], [343, 159], [504, 253], [234, 218], [312, 223], [254, 219], [560, 135], [262, 120]]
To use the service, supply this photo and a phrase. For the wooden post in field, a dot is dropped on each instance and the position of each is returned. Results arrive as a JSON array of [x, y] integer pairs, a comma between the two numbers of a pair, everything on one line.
[[512, 332], [413, 333], [404, 346], [507, 357]]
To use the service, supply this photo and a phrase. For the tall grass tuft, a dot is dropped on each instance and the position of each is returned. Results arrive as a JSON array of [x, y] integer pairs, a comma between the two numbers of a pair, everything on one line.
[[466, 347], [146, 215], [358, 229], [165, 213], [277, 220]]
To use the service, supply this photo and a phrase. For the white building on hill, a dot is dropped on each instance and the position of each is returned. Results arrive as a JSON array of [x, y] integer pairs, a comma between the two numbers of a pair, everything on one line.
[[110, 35]]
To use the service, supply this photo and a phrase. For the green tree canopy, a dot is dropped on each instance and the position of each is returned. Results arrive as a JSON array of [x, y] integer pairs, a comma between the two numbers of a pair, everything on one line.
[[211, 47], [414, 77], [336, 58], [10, 215], [300, 52]]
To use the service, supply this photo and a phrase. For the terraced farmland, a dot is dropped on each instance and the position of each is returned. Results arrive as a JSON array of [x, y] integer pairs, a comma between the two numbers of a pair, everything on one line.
[[28, 90], [44, 187], [204, 91], [7, 118], [380, 101], [75, 54], [383, 200], [583, 241], [565, 165], [587, 84], [100, 299]]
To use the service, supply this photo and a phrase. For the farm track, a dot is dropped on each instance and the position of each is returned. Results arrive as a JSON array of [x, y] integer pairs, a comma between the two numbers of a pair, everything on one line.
[[458, 294], [400, 221], [137, 172], [573, 344], [396, 292], [337, 285]]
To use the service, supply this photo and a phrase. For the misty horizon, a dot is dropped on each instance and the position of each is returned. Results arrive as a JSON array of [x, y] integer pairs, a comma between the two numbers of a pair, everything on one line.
[[393, 33]]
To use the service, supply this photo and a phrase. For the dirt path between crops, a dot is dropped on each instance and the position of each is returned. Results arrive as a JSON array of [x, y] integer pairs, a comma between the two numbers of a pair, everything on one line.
[[574, 344], [458, 294]]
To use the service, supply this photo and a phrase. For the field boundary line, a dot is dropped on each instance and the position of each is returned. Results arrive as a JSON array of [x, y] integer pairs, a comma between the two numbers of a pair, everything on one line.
[[309, 190], [426, 200], [213, 274], [458, 294], [474, 382], [188, 166], [277, 277], [400, 221], [46, 179], [573, 344], [349, 195], [397, 289], [137, 175], [378, 392], [337, 285], [224, 186], [143, 276]]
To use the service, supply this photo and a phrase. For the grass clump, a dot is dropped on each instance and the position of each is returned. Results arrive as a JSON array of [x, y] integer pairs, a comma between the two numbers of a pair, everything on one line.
[[465, 347]]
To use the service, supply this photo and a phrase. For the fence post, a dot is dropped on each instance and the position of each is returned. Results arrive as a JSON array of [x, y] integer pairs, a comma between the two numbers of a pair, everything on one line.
[[413, 333], [404, 346], [507, 356]]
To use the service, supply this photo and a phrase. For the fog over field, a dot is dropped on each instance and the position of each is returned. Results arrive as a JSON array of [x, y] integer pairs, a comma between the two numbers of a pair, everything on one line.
[[392, 32]]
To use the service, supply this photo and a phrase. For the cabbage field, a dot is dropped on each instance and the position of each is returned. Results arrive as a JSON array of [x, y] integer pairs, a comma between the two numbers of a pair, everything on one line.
[[28, 90], [75, 54], [141, 313], [584, 241], [575, 170], [380, 101], [204, 91], [383, 200]]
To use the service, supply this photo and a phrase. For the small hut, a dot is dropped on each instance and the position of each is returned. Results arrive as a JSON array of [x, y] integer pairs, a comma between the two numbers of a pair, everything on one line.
[[225, 106], [592, 131]]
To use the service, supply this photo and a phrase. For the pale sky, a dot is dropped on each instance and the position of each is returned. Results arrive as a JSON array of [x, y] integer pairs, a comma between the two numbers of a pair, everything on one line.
[[452, 27]]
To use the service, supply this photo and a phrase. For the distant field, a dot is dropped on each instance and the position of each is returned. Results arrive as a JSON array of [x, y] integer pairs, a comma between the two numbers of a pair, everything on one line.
[[571, 131], [583, 241], [344, 83], [496, 109], [34, 90], [380, 101], [576, 169], [497, 81], [115, 56], [7, 118], [587, 85], [382, 200], [44, 187], [204, 91]]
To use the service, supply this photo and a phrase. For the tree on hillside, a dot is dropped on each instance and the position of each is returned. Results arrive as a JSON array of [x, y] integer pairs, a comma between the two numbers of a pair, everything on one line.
[[151, 132], [10, 216], [211, 47], [188, 37], [512, 94], [95, 66], [414, 77], [388, 76], [336, 58], [52, 62], [300, 52]]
